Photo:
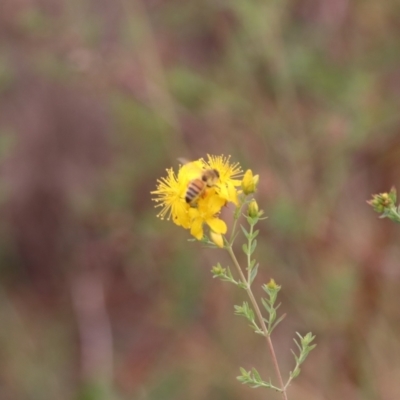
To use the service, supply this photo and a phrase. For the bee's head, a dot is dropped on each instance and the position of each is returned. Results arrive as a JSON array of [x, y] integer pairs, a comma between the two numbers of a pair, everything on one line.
[[210, 177]]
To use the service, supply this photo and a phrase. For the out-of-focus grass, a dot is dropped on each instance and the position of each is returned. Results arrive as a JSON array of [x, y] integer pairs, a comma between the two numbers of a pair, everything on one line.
[[304, 93]]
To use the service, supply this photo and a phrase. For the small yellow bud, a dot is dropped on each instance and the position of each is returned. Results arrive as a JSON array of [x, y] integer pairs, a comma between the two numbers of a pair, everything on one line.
[[252, 211], [256, 178], [249, 182], [218, 270], [217, 239], [383, 201], [272, 285]]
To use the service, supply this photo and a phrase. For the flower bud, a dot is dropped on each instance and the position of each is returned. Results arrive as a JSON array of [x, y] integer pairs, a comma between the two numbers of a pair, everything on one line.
[[383, 201], [272, 285], [249, 182], [218, 270], [217, 239], [272, 289], [252, 211]]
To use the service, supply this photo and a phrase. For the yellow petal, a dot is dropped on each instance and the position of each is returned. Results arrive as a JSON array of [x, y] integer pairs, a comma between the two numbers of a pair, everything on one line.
[[214, 205], [217, 239], [197, 229], [180, 214], [233, 195], [223, 192], [235, 182], [217, 225]]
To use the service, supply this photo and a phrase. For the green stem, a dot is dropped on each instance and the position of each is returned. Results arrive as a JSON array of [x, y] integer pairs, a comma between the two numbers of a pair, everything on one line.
[[261, 321], [238, 211], [249, 244]]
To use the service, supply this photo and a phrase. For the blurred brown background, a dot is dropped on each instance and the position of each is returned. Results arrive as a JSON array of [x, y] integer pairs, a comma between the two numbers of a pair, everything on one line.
[[101, 300]]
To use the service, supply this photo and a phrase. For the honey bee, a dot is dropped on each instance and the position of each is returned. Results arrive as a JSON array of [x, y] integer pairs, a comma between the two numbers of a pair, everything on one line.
[[197, 187]]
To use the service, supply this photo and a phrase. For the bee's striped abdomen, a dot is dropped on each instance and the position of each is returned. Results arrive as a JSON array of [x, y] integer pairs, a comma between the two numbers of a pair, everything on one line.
[[194, 190]]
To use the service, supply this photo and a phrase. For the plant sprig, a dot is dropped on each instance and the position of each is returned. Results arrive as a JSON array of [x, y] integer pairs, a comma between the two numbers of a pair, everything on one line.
[[385, 204], [262, 325], [220, 186], [304, 347]]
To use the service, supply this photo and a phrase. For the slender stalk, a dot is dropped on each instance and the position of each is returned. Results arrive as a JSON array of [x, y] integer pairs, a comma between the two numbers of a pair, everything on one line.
[[261, 321], [249, 240], [236, 218]]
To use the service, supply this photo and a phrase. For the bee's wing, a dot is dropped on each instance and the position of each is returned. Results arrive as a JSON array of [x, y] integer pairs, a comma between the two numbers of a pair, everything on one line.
[[193, 169], [183, 160]]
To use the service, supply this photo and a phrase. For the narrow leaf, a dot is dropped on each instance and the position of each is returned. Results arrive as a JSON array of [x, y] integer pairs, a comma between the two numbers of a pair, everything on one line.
[[255, 234], [265, 304], [277, 322], [253, 246], [297, 344], [295, 373], [256, 374], [245, 232], [253, 273]]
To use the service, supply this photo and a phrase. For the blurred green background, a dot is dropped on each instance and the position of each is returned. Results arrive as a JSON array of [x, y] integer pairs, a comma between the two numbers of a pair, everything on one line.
[[99, 299]]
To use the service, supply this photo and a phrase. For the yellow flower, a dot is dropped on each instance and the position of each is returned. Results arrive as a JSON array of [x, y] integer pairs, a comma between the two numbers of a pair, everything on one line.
[[249, 182], [228, 174], [171, 192], [206, 213]]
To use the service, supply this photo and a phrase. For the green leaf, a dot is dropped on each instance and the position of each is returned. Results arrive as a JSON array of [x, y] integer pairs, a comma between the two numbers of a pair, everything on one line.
[[245, 311], [256, 374], [297, 344], [259, 332], [277, 322], [310, 337], [245, 232], [253, 246], [253, 273], [251, 221], [266, 304], [295, 357], [255, 234], [311, 347], [295, 373], [245, 248], [238, 310]]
